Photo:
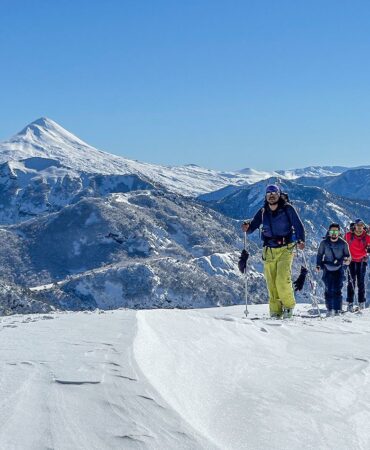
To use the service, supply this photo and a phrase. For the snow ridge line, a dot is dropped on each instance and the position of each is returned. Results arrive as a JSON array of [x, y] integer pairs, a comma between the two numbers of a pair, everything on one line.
[[145, 340]]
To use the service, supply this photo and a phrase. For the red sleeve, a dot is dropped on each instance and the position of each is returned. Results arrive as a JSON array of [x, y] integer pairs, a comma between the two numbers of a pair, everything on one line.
[[347, 236], [368, 239]]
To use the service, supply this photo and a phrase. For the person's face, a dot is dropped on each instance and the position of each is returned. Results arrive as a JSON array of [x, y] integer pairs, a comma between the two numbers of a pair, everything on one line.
[[359, 228], [334, 234], [272, 197]]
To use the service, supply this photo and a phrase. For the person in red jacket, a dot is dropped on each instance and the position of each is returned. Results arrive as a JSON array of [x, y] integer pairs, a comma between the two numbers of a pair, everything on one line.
[[359, 245]]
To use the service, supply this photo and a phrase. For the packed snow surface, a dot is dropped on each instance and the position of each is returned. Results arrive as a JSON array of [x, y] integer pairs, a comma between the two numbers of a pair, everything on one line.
[[184, 379]]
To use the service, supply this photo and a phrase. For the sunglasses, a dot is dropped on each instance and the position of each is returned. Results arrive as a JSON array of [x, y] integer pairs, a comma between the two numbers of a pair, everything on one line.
[[272, 193], [334, 232]]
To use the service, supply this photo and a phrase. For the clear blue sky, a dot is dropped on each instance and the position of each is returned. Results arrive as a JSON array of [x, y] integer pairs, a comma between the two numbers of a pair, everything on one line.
[[223, 84]]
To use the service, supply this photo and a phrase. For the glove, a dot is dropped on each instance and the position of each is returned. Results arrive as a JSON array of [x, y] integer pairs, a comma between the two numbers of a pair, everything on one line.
[[299, 282], [242, 264], [245, 225]]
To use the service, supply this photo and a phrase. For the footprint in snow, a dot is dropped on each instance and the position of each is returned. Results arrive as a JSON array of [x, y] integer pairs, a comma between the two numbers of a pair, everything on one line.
[[75, 383], [125, 377], [226, 319]]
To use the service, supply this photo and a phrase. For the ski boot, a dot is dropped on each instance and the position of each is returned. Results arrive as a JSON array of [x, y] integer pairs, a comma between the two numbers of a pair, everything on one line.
[[330, 313], [287, 313], [274, 315], [361, 306], [350, 307]]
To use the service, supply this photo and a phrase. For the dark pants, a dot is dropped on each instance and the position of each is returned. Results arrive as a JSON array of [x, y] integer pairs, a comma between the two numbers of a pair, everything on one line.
[[356, 276], [333, 288]]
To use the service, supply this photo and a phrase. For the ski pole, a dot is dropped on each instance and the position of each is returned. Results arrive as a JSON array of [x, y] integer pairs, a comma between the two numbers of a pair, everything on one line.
[[313, 285], [246, 312], [350, 278]]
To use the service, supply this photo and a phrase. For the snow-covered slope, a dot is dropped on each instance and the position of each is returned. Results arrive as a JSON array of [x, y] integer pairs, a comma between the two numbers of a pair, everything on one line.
[[193, 380], [37, 186], [291, 174], [16, 299], [255, 385], [310, 176], [70, 381], [312, 171], [140, 249], [353, 183], [257, 175]]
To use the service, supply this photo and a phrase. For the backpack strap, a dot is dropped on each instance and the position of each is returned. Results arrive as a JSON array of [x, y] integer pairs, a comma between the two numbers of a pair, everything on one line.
[[335, 259]]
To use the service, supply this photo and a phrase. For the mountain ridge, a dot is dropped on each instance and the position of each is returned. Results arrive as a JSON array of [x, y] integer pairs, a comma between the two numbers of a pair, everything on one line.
[[45, 138]]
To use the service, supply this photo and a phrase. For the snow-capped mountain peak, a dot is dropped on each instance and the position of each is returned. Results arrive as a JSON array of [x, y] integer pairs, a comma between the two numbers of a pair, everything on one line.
[[47, 131], [45, 138]]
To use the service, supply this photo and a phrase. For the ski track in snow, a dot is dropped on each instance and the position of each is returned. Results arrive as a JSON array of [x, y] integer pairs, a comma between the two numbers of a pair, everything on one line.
[[184, 379]]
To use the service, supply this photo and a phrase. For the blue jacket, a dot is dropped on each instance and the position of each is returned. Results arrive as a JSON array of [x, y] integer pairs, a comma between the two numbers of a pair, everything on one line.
[[279, 227]]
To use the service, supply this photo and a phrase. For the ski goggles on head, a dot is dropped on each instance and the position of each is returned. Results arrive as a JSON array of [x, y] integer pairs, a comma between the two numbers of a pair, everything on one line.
[[334, 232]]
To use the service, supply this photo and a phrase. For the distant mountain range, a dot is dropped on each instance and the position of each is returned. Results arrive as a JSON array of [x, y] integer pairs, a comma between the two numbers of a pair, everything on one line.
[[353, 183], [44, 138], [86, 229], [316, 205]]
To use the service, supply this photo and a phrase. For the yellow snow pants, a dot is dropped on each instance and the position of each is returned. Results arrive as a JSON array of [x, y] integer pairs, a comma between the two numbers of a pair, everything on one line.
[[278, 274]]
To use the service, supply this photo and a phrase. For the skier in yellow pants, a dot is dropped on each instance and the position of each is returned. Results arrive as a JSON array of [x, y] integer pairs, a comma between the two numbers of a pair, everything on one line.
[[277, 270], [282, 229]]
